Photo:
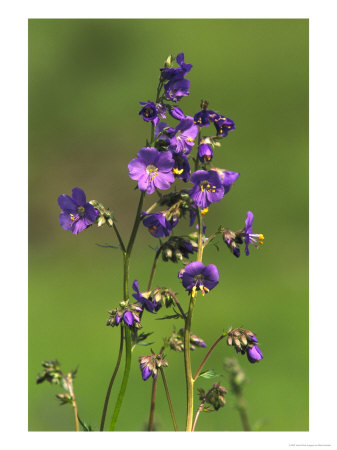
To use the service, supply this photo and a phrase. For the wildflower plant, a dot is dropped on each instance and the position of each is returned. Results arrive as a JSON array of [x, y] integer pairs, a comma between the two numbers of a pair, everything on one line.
[[179, 151]]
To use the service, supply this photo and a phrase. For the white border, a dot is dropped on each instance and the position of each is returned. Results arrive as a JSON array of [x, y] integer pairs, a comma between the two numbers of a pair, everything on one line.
[[323, 120]]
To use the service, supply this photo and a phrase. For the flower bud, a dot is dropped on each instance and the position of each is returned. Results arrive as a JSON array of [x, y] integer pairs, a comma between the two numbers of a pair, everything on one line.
[[149, 365]]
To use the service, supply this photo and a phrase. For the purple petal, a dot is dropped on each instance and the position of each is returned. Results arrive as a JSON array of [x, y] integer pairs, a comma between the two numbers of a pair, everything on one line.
[[65, 221], [81, 224], [211, 273], [254, 354], [79, 196], [149, 155], [67, 203], [165, 161], [146, 373], [117, 319], [163, 180], [128, 318], [199, 176], [136, 168], [194, 268], [90, 212]]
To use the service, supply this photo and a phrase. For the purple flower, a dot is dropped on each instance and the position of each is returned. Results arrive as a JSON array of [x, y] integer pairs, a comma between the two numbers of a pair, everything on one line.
[[178, 72], [143, 297], [182, 139], [254, 354], [198, 277], [203, 117], [152, 169], [207, 188], [175, 89], [205, 153], [158, 225], [150, 365], [227, 178], [146, 372], [249, 237], [149, 112], [177, 113], [223, 125], [181, 168], [77, 214]]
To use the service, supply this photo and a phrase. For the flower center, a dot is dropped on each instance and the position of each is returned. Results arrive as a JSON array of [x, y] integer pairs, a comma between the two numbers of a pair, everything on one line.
[[152, 171], [205, 186], [148, 111]]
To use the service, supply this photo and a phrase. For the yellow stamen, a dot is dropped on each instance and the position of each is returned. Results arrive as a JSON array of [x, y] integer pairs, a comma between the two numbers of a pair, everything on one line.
[[189, 139], [72, 218], [206, 289], [204, 211], [194, 291], [178, 171]]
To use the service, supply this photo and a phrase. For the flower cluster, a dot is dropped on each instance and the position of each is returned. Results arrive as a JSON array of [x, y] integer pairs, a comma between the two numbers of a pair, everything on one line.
[[176, 341], [128, 313], [149, 365], [245, 341], [215, 397]]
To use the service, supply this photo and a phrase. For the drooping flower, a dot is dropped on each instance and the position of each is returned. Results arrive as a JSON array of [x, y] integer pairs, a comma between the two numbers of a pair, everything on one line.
[[227, 177], [249, 237], [182, 139], [223, 125], [245, 341], [205, 153], [207, 188], [177, 248], [149, 365], [177, 86], [148, 302], [158, 225], [198, 277], [254, 354], [181, 168], [77, 214], [152, 169], [177, 113], [176, 341], [128, 313]]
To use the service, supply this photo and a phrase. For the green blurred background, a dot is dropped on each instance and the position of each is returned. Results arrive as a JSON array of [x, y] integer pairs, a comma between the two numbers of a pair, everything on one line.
[[86, 78]]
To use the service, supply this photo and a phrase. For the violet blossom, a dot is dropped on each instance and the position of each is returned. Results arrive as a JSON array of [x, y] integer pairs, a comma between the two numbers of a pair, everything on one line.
[[77, 214], [198, 277], [207, 188], [152, 169]]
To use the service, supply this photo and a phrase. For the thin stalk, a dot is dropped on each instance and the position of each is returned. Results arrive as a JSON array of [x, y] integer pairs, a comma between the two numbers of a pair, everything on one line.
[[169, 400], [200, 244], [107, 397], [151, 207], [187, 360], [153, 270], [120, 240], [136, 224], [178, 304], [241, 405], [197, 414], [153, 403], [74, 404], [124, 380], [207, 356]]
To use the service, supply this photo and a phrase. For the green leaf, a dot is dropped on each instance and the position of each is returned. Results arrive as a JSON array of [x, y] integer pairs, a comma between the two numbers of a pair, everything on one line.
[[84, 425], [174, 316], [108, 246], [208, 374]]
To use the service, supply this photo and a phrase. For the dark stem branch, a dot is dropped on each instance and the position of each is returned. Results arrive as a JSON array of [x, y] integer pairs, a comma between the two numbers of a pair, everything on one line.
[[197, 414], [107, 397], [207, 356], [154, 266], [169, 400], [120, 240], [153, 404]]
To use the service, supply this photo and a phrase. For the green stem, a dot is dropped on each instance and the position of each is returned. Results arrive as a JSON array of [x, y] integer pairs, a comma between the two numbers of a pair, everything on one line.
[[107, 397], [207, 356], [188, 371], [200, 244], [120, 240], [169, 400], [241, 405], [153, 270], [136, 224], [125, 378], [153, 403]]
